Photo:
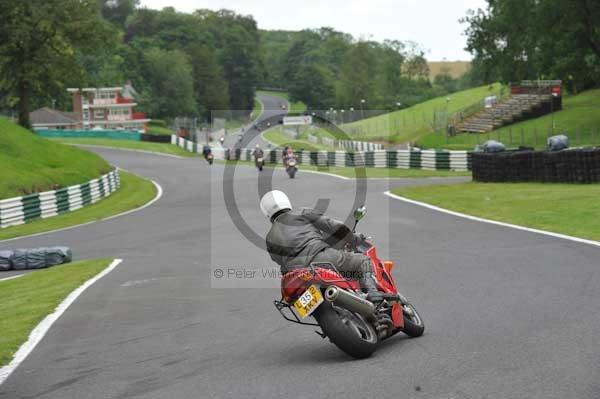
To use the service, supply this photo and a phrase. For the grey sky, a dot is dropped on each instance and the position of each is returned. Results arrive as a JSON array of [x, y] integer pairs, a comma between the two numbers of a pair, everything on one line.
[[432, 23]]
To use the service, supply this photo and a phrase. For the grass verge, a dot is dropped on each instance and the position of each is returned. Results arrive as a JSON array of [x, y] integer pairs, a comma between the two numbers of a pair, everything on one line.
[[579, 120], [133, 193], [159, 128], [30, 164], [276, 136], [369, 172], [131, 145], [414, 122], [27, 300], [561, 208]]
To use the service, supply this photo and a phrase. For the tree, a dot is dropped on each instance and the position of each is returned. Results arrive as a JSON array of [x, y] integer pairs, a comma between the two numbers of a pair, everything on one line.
[[39, 41], [529, 39], [312, 84], [210, 86], [357, 77], [237, 41], [169, 90], [117, 11]]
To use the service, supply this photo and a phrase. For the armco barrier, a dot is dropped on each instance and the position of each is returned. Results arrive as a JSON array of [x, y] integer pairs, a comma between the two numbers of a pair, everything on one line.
[[19, 210], [403, 159], [97, 134], [351, 145], [104, 134]]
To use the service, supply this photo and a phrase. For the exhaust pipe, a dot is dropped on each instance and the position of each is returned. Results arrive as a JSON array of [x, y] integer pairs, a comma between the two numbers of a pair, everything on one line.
[[349, 301]]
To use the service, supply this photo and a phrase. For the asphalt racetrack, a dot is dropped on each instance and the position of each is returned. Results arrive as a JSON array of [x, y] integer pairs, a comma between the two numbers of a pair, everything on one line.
[[509, 314]]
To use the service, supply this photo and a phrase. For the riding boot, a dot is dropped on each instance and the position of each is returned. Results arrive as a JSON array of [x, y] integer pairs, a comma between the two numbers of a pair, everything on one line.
[[369, 285]]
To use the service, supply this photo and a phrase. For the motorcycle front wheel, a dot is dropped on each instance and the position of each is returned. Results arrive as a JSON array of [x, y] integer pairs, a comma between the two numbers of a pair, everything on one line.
[[347, 330], [413, 323]]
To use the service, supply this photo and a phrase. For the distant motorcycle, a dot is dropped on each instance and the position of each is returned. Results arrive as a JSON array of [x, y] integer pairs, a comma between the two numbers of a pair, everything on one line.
[[291, 168], [209, 158], [260, 163]]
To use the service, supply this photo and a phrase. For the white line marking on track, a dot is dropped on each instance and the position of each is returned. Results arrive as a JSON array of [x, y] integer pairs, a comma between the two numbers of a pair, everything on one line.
[[162, 154], [159, 193], [12, 277], [478, 219], [323, 173], [41, 329]]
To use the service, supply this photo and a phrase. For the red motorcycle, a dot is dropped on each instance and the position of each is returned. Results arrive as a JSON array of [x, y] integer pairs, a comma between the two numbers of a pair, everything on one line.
[[340, 308]]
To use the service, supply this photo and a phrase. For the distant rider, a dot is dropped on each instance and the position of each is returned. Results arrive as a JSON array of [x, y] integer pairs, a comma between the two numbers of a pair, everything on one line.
[[257, 153], [298, 238], [206, 150], [288, 154]]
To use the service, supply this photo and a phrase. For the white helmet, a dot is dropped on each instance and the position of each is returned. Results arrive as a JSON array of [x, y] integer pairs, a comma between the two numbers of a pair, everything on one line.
[[273, 202]]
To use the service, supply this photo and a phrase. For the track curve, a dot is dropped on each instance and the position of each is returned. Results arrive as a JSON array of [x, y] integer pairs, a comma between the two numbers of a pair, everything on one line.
[[272, 111], [510, 314]]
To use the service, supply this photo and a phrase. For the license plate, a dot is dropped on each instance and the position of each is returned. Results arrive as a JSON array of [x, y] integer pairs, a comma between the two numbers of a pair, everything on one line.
[[308, 302]]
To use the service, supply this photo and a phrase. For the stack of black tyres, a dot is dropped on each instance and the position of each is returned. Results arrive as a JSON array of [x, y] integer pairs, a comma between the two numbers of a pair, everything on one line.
[[567, 166], [155, 138]]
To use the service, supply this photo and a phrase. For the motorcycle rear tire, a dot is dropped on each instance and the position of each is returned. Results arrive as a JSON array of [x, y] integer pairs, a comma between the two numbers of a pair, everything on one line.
[[345, 336]]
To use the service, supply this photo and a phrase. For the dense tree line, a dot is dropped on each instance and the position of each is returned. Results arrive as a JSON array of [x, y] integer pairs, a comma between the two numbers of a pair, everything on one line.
[[325, 68], [181, 64], [537, 39], [197, 63]]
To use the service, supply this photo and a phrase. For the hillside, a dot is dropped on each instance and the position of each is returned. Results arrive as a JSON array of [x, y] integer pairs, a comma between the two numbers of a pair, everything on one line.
[[411, 123], [456, 69], [579, 120], [29, 163]]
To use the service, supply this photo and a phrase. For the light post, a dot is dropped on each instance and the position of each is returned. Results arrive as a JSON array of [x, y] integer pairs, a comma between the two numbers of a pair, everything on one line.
[[335, 117], [362, 111], [342, 111], [447, 101], [351, 114], [554, 95], [53, 103]]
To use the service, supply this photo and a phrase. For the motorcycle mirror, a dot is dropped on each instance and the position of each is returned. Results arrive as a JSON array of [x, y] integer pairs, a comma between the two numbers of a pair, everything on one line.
[[360, 213]]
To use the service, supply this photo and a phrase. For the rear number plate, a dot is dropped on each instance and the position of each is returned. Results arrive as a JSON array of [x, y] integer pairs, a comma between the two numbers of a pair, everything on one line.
[[308, 301]]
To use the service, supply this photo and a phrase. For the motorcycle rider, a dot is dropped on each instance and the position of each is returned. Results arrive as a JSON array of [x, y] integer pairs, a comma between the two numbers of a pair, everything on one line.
[[287, 155], [299, 237], [206, 150], [257, 153], [284, 153]]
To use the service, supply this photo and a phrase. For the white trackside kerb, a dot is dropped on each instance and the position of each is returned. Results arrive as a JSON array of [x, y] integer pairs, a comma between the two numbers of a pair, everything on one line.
[[41, 329]]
